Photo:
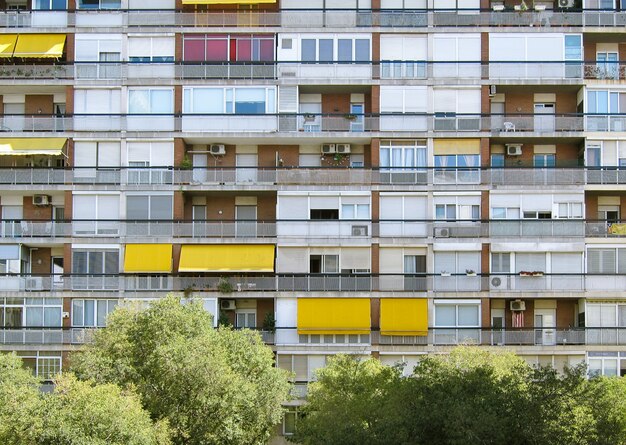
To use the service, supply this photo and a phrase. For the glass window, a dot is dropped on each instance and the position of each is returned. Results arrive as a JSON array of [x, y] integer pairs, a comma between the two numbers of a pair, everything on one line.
[[344, 50], [355, 211], [362, 50], [250, 101], [501, 262], [325, 50], [308, 50], [150, 101], [445, 315], [402, 154]]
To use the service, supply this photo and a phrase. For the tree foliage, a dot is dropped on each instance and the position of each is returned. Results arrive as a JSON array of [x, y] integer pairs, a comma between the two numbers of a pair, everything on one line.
[[74, 413], [214, 386], [470, 396]]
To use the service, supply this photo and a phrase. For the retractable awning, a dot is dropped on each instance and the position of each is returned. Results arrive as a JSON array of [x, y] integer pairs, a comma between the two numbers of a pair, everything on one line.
[[334, 316], [148, 258], [226, 2], [227, 258], [404, 316], [7, 44], [39, 46], [32, 146]]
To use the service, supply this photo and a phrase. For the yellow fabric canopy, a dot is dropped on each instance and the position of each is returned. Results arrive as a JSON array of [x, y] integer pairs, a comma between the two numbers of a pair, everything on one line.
[[226, 2], [227, 258], [456, 146], [334, 316], [148, 258], [7, 44], [39, 45], [32, 146], [404, 316]]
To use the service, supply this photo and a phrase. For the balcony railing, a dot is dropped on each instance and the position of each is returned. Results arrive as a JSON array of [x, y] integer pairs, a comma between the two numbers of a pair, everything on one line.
[[355, 70], [315, 18], [311, 228], [305, 282]]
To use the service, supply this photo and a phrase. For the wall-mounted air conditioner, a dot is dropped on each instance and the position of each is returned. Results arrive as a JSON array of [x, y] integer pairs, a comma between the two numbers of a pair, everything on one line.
[[217, 149], [514, 149], [228, 305], [41, 200], [566, 3], [518, 305], [442, 232], [492, 90], [343, 148], [329, 148], [359, 230]]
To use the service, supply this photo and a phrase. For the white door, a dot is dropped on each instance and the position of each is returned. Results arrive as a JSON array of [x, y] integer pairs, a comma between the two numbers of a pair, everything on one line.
[[200, 164], [246, 319], [244, 171], [545, 320], [545, 119], [497, 115], [246, 221]]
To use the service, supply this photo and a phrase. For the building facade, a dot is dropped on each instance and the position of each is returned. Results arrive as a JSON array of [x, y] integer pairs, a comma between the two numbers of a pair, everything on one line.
[[375, 177]]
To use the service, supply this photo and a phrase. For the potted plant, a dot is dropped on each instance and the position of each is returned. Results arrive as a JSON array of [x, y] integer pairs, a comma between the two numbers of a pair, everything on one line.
[[223, 319], [470, 272], [445, 273], [224, 286], [269, 322], [537, 273], [525, 273], [350, 116]]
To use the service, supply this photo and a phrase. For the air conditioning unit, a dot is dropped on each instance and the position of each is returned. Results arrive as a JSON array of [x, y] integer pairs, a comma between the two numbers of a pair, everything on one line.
[[359, 230], [228, 305], [442, 232], [566, 3], [33, 283], [41, 200], [514, 149], [492, 90], [496, 282], [329, 148], [217, 149], [343, 148], [518, 305]]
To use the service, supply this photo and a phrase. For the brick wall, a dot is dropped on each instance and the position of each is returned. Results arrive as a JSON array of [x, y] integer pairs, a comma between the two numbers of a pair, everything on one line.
[[39, 104], [31, 211]]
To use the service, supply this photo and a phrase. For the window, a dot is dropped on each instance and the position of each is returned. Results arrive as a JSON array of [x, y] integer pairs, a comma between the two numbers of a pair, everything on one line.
[[500, 262], [603, 363], [99, 4], [44, 365], [95, 262], [151, 49], [355, 211], [96, 214], [150, 101], [606, 261], [449, 212], [505, 213], [571, 210], [96, 154], [245, 319], [458, 321], [91, 313], [229, 100], [340, 50], [97, 101], [544, 160], [226, 47], [445, 211], [325, 214], [534, 214], [403, 154], [149, 207], [449, 161], [31, 312], [49, 5], [324, 264]]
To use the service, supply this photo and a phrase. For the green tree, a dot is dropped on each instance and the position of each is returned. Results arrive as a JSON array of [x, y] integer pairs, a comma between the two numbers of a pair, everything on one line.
[[607, 401], [74, 413], [348, 403], [214, 386]]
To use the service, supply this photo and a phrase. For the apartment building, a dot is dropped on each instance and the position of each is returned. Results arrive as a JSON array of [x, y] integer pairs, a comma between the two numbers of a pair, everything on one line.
[[375, 177]]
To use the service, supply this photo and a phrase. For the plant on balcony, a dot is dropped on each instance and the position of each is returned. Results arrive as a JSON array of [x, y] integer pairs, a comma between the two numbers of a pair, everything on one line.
[[223, 320], [188, 291], [269, 322], [445, 273], [350, 116], [533, 273], [224, 286], [470, 272], [186, 163]]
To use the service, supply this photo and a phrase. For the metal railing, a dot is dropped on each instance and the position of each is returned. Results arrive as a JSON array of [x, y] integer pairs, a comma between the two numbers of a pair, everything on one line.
[[294, 175], [305, 282], [318, 123], [363, 70], [316, 18]]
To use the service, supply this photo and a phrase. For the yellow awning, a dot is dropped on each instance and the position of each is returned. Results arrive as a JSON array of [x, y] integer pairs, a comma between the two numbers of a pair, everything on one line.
[[226, 2], [227, 258], [7, 44], [404, 316], [39, 45], [456, 146], [334, 316], [32, 146], [148, 258]]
